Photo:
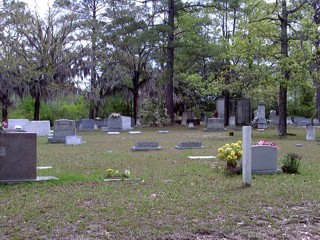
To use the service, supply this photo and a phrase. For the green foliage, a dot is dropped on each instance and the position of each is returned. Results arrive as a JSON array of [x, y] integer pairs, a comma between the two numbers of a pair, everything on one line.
[[291, 163], [153, 112], [115, 103], [59, 109]]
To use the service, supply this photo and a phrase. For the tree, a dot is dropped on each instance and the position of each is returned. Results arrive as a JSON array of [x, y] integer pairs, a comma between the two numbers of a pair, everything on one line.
[[47, 47]]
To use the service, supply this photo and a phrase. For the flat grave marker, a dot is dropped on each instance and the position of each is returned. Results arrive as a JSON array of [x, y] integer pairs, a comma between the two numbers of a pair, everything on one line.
[[187, 145], [146, 146]]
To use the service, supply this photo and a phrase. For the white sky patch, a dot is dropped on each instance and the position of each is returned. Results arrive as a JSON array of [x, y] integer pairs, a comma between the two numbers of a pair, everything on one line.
[[40, 6]]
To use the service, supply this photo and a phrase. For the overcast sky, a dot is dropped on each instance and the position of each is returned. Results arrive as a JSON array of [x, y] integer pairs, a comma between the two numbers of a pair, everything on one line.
[[39, 5]]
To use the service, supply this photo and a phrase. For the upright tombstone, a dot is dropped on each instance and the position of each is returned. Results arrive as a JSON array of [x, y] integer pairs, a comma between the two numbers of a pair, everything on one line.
[[311, 134], [87, 124], [274, 119], [247, 156], [114, 123], [260, 116], [41, 128], [264, 159], [215, 124], [62, 128], [18, 154]]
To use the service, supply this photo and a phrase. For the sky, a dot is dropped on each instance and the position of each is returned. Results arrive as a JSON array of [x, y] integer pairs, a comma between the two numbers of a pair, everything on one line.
[[39, 5]]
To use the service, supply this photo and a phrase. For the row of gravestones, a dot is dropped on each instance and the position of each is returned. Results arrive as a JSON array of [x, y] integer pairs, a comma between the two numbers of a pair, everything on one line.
[[18, 156]]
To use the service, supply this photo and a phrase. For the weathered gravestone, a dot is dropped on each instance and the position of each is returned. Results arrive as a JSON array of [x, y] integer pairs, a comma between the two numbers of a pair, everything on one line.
[[41, 128], [100, 123], [215, 124], [311, 134], [146, 146], [87, 124], [264, 159], [18, 154], [302, 121], [260, 116], [74, 140], [114, 124], [18, 158], [186, 145], [62, 128]]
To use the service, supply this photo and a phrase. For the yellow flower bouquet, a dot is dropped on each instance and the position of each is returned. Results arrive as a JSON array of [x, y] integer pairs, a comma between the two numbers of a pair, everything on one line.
[[231, 153]]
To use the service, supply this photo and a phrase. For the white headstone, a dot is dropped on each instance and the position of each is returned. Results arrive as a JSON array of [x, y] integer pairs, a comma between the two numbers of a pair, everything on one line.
[[246, 157], [311, 135]]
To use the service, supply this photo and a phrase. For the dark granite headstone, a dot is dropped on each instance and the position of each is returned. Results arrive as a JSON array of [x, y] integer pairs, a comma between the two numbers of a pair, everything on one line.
[[184, 145], [145, 146], [18, 156], [62, 128], [87, 124]]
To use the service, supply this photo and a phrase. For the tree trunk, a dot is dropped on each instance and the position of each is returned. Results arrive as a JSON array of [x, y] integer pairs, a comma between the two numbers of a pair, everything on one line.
[[37, 104], [282, 127], [170, 62], [135, 91], [226, 107], [5, 112]]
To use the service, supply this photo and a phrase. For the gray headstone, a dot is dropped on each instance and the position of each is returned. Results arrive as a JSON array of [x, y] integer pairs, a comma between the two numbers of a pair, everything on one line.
[[18, 156], [264, 159], [232, 121], [74, 140], [184, 145], [62, 128], [87, 124], [41, 128], [302, 121], [101, 123], [215, 124], [115, 124], [145, 146], [311, 134]]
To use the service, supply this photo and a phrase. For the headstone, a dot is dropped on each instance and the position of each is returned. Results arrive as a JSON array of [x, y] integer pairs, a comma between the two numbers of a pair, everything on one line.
[[186, 116], [246, 157], [113, 133], [184, 145], [264, 159], [87, 124], [163, 131], [101, 123], [62, 128], [232, 121], [41, 128], [114, 124], [127, 122], [220, 107], [202, 157], [74, 140], [260, 116], [215, 124], [12, 123], [243, 111], [191, 126], [302, 121], [145, 146], [311, 135], [289, 121], [18, 158], [274, 119], [134, 132]]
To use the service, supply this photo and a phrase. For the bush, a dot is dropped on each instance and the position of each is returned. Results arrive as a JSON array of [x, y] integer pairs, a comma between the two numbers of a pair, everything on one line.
[[291, 163], [153, 112]]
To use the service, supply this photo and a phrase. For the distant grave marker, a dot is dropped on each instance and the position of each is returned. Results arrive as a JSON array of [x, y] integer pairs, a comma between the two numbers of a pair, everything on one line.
[[62, 128], [185, 145], [146, 146]]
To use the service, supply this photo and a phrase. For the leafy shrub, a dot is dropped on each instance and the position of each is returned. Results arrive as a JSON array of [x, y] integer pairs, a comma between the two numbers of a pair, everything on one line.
[[291, 163], [153, 112]]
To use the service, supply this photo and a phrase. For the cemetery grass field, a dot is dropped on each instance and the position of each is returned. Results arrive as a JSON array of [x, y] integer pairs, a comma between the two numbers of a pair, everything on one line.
[[169, 196]]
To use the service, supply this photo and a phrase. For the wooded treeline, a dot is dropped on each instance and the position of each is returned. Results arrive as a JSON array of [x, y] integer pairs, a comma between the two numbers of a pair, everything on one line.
[[180, 54]]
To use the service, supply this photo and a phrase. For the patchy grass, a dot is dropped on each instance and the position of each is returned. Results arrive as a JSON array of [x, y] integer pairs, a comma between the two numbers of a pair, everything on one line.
[[172, 197]]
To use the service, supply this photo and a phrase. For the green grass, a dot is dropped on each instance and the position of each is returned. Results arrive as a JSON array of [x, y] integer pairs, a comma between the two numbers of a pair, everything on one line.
[[194, 198]]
